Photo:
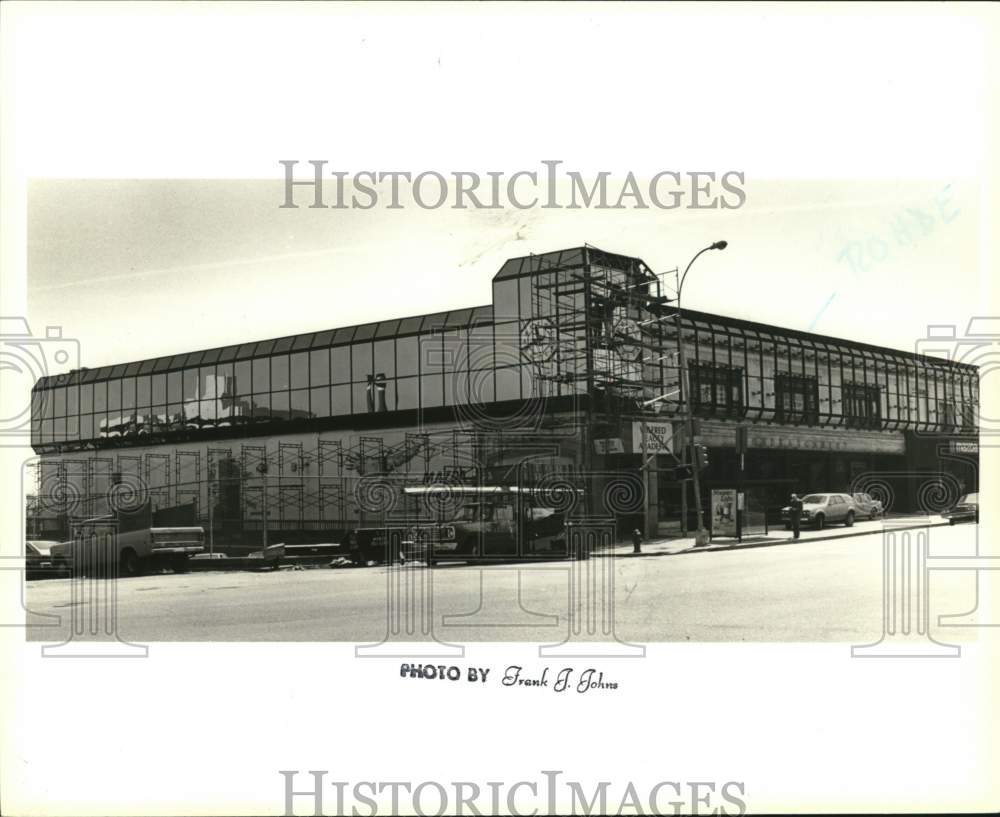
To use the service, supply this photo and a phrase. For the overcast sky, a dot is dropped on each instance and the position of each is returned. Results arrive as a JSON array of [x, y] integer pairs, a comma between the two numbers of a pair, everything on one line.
[[136, 269]]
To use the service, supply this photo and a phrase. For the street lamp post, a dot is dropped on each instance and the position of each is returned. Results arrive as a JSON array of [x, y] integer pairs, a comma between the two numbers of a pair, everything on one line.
[[701, 535]]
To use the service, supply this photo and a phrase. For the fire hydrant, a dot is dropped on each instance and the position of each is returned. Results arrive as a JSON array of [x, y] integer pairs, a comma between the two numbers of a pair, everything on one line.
[[636, 541]]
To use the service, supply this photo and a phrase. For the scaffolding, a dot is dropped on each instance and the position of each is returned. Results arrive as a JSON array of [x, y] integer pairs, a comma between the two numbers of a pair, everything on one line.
[[607, 332]]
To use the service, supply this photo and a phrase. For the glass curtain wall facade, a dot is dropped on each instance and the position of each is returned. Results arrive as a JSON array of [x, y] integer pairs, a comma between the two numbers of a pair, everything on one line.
[[513, 350]]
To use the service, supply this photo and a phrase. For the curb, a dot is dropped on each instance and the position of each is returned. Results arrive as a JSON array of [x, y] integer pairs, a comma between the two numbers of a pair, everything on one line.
[[749, 546]]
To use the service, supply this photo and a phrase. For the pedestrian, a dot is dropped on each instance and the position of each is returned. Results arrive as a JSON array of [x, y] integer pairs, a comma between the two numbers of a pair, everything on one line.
[[795, 512], [636, 541]]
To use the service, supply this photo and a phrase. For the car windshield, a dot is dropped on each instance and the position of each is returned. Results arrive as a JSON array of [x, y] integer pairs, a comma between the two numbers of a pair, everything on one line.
[[969, 499], [814, 499]]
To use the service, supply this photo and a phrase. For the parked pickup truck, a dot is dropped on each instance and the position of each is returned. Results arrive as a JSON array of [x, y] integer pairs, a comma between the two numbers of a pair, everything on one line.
[[139, 542]]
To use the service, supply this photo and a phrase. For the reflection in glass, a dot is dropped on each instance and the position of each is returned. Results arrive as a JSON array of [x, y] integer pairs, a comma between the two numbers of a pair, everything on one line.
[[190, 380]]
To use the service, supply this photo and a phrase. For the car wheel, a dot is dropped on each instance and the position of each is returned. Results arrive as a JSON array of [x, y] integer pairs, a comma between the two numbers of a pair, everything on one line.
[[849, 522], [873, 515], [820, 520], [129, 563], [179, 565], [951, 521], [788, 526]]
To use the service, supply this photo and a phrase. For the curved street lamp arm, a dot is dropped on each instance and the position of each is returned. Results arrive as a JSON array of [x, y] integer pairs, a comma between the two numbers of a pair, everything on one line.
[[680, 286]]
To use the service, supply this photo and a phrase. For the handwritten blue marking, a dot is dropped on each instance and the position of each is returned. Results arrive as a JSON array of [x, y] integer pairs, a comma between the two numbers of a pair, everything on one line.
[[822, 309]]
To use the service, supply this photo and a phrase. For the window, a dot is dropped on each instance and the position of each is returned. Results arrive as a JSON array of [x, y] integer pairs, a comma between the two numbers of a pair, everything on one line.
[[190, 386], [143, 391], [299, 365], [361, 362], [949, 417], [376, 393], [261, 375], [431, 390], [862, 405], [114, 395], [407, 393], [385, 358], [716, 389], [797, 398], [241, 374], [319, 401], [406, 356], [279, 373], [505, 300], [340, 399], [968, 416], [86, 398], [340, 364], [319, 367]]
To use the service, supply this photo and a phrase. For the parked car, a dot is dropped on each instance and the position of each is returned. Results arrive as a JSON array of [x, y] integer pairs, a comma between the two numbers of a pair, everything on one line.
[[38, 563], [965, 510], [135, 550], [820, 510], [866, 506]]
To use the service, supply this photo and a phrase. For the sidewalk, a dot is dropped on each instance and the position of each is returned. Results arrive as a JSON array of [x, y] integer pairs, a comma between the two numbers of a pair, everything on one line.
[[776, 535]]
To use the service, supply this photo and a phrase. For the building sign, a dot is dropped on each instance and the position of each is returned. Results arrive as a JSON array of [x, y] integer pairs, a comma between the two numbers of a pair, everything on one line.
[[790, 438], [659, 438], [613, 445], [724, 512]]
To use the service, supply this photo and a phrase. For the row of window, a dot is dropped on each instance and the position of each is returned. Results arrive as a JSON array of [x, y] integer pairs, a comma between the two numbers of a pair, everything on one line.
[[449, 352], [377, 394], [719, 391]]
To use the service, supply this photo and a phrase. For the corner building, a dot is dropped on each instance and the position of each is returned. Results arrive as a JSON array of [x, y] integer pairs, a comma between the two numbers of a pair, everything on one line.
[[557, 378]]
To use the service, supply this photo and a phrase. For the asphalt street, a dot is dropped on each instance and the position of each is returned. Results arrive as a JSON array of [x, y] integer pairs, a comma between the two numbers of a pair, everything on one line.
[[826, 591]]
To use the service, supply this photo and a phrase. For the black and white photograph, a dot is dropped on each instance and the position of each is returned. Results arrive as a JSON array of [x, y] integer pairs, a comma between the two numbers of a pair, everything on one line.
[[559, 408]]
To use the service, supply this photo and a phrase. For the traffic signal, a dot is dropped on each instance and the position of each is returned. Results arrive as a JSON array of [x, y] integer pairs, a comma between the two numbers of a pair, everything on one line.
[[701, 456]]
